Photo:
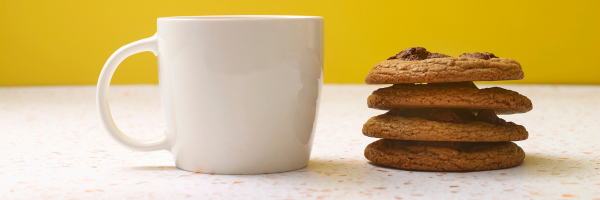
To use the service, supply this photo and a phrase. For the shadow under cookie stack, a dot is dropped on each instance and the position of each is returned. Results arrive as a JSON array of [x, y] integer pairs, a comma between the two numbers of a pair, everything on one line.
[[438, 120]]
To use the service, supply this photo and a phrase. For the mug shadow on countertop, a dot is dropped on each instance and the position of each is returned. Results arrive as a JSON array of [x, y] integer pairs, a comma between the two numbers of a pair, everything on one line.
[[332, 170], [152, 168]]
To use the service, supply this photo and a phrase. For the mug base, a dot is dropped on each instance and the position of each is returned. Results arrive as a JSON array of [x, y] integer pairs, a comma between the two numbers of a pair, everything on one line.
[[242, 172]]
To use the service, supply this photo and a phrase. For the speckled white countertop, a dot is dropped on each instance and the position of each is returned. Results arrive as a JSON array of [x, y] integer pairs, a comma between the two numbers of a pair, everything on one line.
[[53, 147]]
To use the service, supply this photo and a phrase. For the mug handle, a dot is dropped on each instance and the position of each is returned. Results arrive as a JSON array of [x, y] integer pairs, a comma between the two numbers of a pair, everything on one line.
[[158, 143]]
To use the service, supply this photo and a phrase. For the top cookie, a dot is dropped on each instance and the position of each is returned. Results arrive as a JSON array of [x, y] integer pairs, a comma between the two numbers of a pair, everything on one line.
[[416, 65]]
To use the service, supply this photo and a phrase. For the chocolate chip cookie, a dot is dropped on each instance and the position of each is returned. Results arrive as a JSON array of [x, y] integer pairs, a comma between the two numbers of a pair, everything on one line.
[[445, 156], [502, 101], [438, 119], [417, 65]]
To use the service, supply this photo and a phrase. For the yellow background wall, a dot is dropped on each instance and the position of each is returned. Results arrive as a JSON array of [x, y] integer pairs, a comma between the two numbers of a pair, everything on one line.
[[67, 42]]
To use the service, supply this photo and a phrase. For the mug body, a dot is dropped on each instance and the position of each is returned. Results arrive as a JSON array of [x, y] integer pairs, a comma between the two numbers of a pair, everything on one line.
[[240, 93]]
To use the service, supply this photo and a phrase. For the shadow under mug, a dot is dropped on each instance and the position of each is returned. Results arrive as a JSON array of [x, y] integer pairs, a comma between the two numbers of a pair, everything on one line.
[[240, 94]]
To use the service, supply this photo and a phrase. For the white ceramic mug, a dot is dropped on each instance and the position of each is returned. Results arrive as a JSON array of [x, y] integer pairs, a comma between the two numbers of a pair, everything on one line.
[[240, 93]]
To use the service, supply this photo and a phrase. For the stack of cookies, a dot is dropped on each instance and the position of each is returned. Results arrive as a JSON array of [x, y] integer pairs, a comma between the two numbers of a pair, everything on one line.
[[438, 120]]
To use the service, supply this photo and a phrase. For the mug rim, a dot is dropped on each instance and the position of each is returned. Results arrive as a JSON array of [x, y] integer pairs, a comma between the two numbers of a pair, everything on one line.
[[239, 17]]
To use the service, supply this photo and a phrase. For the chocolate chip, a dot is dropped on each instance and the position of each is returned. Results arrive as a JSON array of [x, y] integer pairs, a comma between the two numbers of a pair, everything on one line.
[[436, 55], [490, 116], [395, 112], [484, 55], [468, 84], [445, 115], [444, 144], [459, 146], [435, 114], [417, 53], [413, 53], [464, 114], [449, 115], [410, 112]]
